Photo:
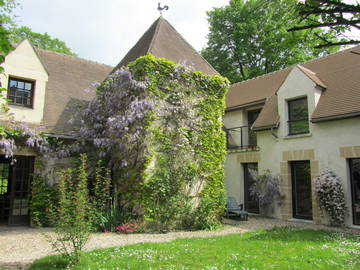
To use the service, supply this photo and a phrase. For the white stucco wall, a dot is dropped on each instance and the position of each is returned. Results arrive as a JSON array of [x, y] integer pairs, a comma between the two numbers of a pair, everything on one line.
[[324, 138], [23, 63], [234, 171]]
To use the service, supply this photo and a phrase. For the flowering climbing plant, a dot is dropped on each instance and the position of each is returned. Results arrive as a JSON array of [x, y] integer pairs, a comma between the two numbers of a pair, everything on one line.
[[115, 120], [15, 134], [158, 125], [331, 197], [266, 189]]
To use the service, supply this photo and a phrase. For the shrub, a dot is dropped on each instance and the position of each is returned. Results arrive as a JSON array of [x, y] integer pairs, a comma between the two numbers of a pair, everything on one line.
[[73, 221], [266, 189], [109, 220], [331, 197], [44, 199]]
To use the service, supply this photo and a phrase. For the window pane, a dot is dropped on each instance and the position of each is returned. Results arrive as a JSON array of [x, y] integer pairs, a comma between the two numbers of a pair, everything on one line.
[[298, 116], [19, 93], [19, 100], [28, 86], [13, 83], [298, 109], [12, 91], [299, 126], [20, 84]]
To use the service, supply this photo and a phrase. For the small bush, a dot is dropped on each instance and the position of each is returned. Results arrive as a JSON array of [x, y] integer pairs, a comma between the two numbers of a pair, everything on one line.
[[331, 197], [44, 199], [74, 219], [109, 220]]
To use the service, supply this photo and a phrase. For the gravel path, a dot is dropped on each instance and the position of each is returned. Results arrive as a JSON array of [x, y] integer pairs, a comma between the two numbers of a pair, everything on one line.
[[21, 246]]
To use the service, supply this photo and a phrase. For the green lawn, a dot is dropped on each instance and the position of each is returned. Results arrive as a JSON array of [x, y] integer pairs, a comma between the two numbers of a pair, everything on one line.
[[279, 248]]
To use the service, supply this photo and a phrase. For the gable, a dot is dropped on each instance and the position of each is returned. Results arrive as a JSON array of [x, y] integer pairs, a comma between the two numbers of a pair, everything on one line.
[[23, 64], [339, 73]]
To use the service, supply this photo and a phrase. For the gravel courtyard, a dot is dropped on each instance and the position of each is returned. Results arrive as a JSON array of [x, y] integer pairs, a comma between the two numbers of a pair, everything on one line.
[[21, 246]]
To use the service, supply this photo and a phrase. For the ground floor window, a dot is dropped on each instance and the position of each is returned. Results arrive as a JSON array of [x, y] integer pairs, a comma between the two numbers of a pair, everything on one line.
[[301, 189], [251, 203], [354, 165]]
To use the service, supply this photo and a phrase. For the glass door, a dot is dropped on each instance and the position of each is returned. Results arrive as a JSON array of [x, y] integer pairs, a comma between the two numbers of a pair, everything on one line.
[[5, 189], [20, 191], [355, 188], [250, 172], [301, 189]]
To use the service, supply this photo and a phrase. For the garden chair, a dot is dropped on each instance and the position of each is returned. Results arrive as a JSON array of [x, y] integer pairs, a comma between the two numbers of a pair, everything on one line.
[[233, 209]]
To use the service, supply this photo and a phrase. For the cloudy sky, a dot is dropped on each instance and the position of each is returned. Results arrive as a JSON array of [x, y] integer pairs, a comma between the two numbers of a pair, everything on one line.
[[104, 30]]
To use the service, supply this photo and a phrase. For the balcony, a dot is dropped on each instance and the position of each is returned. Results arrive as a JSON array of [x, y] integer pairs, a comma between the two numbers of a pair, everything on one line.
[[241, 138]]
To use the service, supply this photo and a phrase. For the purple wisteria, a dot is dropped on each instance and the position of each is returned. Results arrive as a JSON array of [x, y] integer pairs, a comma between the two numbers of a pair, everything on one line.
[[114, 121], [15, 134]]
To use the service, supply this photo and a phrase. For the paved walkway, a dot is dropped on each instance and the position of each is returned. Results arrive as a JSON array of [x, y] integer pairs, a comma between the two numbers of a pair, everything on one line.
[[21, 246]]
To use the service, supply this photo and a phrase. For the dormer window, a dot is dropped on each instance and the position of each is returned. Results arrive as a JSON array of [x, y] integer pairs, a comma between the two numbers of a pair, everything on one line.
[[21, 92], [298, 116]]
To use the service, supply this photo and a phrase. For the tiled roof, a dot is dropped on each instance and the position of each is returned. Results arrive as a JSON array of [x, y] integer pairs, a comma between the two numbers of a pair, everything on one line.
[[162, 40], [338, 74], [269, 116], [71, 82]]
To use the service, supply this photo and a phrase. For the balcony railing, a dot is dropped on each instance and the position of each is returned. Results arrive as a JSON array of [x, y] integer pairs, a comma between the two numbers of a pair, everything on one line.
[[241, 138]]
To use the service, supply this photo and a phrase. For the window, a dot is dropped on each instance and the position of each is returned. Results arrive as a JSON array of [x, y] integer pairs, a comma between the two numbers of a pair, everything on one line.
[[298, 116], [21, 92]]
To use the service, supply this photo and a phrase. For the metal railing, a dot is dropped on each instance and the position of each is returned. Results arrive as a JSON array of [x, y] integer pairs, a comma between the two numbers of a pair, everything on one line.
[[238, 138]]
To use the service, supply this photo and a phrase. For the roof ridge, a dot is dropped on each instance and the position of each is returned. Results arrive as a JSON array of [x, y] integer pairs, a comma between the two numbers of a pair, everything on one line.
[[329, 55], [301, 63], [159, 21], [181, 37], [73, 56], [264, 75]]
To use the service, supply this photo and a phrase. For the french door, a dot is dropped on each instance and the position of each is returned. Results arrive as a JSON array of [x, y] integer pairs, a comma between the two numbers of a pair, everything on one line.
[[301, 189], [5, 189], [355, 188], [251, 203], [15, 182]]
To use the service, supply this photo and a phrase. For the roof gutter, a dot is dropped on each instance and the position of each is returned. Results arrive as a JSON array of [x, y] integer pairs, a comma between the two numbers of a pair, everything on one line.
[[246, 105], [335, 117], [266, 127]]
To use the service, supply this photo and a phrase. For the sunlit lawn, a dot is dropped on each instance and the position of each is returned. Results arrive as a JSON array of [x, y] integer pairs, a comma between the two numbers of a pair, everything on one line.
[[279, 248]]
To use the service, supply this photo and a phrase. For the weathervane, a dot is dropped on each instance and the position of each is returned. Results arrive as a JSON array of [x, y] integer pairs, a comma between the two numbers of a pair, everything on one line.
[[160, 9]]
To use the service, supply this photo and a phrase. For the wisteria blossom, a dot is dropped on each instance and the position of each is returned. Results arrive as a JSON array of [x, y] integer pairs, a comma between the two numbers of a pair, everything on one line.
[[331, 197]]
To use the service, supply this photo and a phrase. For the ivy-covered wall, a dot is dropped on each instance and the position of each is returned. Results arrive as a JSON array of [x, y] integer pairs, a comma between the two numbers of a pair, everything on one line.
[[183, 178], [159, 127]]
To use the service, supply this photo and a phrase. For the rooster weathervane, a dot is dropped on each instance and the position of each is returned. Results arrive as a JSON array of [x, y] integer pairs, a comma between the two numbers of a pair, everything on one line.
[[160, 9]]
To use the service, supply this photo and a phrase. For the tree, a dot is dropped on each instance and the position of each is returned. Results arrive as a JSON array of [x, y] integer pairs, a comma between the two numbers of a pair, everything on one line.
[[6, 8], [250, 38], [43, 41], [338, 15]]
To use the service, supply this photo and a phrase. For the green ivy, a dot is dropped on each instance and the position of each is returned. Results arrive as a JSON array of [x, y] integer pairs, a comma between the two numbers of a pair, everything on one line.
[[182, 184], [44, 198]]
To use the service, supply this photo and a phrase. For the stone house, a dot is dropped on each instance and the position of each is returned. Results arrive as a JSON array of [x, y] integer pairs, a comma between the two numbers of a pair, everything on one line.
[[42, 85], [296, 122]]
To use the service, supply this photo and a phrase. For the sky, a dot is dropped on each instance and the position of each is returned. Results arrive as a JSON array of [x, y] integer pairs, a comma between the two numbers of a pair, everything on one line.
[[105, 30]]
